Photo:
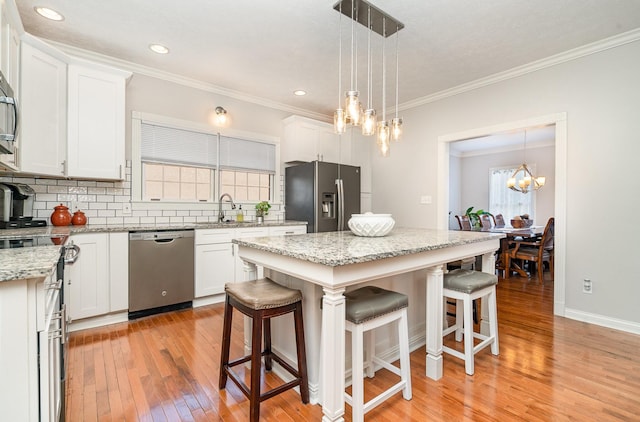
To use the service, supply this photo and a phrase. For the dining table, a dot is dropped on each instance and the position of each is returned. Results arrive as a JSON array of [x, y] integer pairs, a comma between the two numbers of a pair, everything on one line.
[[330, 262], [512, 233]]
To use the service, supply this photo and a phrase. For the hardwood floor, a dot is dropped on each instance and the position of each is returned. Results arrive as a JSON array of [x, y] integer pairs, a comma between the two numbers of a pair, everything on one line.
[[165, 368]]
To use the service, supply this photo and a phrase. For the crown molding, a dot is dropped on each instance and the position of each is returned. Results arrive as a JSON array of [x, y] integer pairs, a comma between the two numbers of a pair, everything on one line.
[[181, 80], [576, 53]]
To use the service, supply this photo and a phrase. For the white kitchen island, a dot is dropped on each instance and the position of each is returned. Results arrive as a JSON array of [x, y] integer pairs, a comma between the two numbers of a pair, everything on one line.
[[336, 260]]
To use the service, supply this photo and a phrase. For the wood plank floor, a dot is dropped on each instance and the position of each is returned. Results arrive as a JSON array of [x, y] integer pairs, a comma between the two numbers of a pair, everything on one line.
[[165, 368]]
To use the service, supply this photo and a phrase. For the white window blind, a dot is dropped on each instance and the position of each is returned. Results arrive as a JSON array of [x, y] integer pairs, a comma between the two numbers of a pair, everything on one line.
[[169, 145], [242, 154]]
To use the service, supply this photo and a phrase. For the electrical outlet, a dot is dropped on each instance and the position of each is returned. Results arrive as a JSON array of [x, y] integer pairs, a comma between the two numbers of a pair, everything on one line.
[[587, 286], [126, 208], [425, 199]]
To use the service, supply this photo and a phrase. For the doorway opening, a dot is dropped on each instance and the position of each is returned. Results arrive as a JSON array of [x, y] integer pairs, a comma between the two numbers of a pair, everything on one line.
[[559, 125]]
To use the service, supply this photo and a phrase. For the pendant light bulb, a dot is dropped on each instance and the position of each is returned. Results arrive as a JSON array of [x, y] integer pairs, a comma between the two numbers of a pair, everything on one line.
[[369, 122], [353, 107], [383, 133], [396, 128], [339, 121]]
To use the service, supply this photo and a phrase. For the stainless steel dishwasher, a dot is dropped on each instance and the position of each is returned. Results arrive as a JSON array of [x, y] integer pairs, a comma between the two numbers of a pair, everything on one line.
[[161, 271]]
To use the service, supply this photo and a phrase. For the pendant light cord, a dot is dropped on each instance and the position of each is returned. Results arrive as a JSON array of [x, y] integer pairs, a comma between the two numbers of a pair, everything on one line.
[[384, 70], [397, 69], [340, 56], [369, 76], [353, 30]]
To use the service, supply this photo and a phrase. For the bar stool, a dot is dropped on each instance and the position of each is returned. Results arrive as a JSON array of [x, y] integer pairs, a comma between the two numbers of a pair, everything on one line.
[[466, 286], [368, 308], [262, 300]]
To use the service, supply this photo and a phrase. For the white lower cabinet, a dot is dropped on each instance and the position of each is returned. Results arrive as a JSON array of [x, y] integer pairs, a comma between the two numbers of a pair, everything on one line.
[[214, 265], [217, 260], [98, 282]]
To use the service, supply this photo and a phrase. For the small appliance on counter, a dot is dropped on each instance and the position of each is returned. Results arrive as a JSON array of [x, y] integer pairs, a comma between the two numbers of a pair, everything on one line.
[[16, 206]]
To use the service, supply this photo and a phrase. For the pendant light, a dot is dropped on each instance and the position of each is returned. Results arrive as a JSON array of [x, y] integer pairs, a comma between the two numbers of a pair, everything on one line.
[[339, 116], [522, 180], [369, 118], [383, 125], [396, 122], [352, 101], [376, 20]]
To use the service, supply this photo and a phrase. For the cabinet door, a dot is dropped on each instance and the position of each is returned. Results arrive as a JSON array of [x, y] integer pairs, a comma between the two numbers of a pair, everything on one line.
[[329, 146], [214, 267], [43, 133], [96, 123], [299, 141], [88, 278], [119, 271]]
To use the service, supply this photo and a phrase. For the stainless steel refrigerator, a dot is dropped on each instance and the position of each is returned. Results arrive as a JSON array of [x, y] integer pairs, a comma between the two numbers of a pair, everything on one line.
[[322, 194]]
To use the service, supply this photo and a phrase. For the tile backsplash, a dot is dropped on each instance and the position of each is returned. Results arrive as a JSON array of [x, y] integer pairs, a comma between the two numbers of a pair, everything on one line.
[[110, 202]]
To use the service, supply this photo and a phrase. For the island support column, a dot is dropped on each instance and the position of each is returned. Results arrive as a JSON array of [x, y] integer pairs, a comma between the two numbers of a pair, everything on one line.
[[434, 322], [332, 355], [488, 266], [250, 273]]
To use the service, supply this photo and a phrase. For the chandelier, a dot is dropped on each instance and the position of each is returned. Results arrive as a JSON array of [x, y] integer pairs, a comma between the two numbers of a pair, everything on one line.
[[522, 180], [379, 22]]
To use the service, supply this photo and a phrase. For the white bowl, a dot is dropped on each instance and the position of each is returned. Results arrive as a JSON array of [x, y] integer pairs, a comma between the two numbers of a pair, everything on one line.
[[371, 225]]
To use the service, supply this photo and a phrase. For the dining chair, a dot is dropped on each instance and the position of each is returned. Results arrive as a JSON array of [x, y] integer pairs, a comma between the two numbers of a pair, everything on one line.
[[499, 221], [538, 251], [485, 222], [464, 222]]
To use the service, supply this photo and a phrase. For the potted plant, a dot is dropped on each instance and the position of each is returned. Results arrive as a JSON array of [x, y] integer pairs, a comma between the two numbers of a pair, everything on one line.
[[262, 209], [474, 216]]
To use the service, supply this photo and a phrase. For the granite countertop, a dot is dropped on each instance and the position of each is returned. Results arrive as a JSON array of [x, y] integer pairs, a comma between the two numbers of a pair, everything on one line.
[[110, 228], [342, 248], [25, 263], [38, 261]]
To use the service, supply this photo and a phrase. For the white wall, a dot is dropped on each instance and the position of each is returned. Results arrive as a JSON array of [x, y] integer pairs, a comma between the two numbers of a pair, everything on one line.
[[151, 95], [599, 93]]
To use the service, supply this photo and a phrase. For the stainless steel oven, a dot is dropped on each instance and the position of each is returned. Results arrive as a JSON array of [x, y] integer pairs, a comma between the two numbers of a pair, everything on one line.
[[8, 117]]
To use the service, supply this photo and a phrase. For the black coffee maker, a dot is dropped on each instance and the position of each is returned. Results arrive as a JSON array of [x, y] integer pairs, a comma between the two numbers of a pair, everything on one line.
[[16, 206]]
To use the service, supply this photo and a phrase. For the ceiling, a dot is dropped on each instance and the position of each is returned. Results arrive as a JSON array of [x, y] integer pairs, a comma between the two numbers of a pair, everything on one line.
[[266, 50], [536, 137]]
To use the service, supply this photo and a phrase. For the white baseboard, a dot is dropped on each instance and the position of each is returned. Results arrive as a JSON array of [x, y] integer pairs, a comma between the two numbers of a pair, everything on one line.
[[208, 300], [99, 321], [604, 321]]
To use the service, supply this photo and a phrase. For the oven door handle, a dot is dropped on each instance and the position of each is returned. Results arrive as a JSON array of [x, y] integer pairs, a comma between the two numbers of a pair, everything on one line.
[[71, 253]]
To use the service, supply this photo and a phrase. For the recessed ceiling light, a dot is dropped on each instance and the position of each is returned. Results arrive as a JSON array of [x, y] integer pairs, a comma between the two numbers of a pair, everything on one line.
[[48, 13], [159, 48], [299, 92]]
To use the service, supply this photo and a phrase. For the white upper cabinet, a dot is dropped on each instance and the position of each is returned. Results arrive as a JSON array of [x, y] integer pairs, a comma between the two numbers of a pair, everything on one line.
[[43, 111], [73, 115], [96, 118], [308, 140]]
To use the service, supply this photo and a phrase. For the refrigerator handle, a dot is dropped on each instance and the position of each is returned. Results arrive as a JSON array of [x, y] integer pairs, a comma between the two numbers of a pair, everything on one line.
[[340, 187]]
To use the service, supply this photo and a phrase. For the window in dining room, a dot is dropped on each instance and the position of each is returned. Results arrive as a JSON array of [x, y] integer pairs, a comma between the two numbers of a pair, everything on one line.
[[505, 201]]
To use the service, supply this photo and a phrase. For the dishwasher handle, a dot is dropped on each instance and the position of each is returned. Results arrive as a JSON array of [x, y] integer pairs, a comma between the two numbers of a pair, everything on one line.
[[161, 236]]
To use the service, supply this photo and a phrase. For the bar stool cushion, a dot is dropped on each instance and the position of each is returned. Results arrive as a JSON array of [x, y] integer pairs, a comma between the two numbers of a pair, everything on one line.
[[262, 294], [468, 281], [370, 302]]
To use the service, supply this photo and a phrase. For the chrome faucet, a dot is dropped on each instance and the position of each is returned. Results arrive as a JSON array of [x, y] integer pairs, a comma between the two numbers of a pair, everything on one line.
[[220, 212]]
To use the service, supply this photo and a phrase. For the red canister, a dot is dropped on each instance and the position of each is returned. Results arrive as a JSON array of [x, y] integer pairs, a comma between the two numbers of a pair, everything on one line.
[[79, 219], [61, 216]]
